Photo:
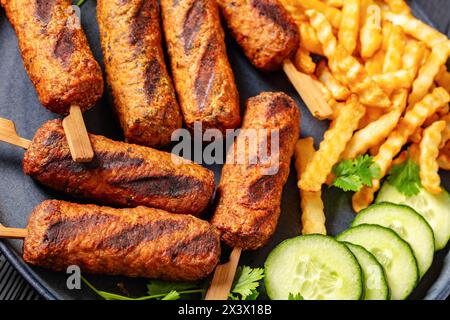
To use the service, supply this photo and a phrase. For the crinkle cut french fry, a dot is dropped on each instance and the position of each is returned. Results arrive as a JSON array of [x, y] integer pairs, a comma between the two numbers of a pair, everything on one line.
[[412, 59], [401, 158], [294, 9], [416, 136], [371, 115], [324, 32], [416, 28], [327, 96], [333, 15], [370, 36], [444, 157], [355, 76], [446, 132], [332, 145], [337, 89], [386, 32], [374, 64], [377, 131], [428, 71], [349, 27], [346, 68], [335, 3], [394, 50], [309, 39], [414, 152], [443, 78], [398, 6], [391, 81], [313, 216], [429, 152], [303, 61], [412, 120]]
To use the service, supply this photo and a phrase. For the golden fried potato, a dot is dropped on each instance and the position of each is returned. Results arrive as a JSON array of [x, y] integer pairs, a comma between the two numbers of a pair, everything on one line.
[[394, 50], [429, 152], [303, 61], [416, 137], [413, 119], [394, 80], [309, 40], [332, 145], [345, 67], [443, 78], [446, 132], [414, 152], [374, 64], [370, 35], [337, 89], [429, 70], [398, 6], [313, 216], [444, 157], [412, 58], [416, 28], [371, 115], [333, 15], [335, 3], [349, 27], [377, 131]]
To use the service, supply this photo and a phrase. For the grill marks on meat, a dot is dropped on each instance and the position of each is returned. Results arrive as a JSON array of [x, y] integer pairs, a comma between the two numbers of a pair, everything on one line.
[[43, 10], [260, 189], [68, 229], [272, 11], [170, 185], [140, 22], [64, 46], [278, 105], [193, 21], [135, 242], [206, 75], [152, 79], [120, 174], [198, 245], [137, 234]]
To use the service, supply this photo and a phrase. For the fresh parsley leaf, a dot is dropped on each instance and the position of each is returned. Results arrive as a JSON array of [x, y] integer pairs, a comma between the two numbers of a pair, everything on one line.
[[246, 283], [160, 286], [352, 175], [297, 296], [80, 3], [405, 178], [160, 290], [172, 295], [347, 183]]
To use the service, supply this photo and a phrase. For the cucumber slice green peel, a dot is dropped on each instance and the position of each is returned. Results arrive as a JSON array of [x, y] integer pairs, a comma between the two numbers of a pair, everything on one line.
[[316, 266], [375, 284], [434, 208], [408, 224], [394, 254]]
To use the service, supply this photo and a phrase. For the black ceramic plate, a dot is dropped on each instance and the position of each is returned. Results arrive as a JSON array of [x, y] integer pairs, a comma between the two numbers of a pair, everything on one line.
[[19, 194]]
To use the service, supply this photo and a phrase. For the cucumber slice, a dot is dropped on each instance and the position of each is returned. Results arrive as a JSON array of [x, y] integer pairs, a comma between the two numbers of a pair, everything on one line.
[[316, 266], [408, 224], [394, 254], [375, 285], [435, 208]]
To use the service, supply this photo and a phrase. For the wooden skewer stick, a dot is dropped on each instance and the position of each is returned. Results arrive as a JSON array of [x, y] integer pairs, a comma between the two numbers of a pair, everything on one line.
[[12, 233], [309, 91], [223, 277], [77, 136], [9, 134]]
